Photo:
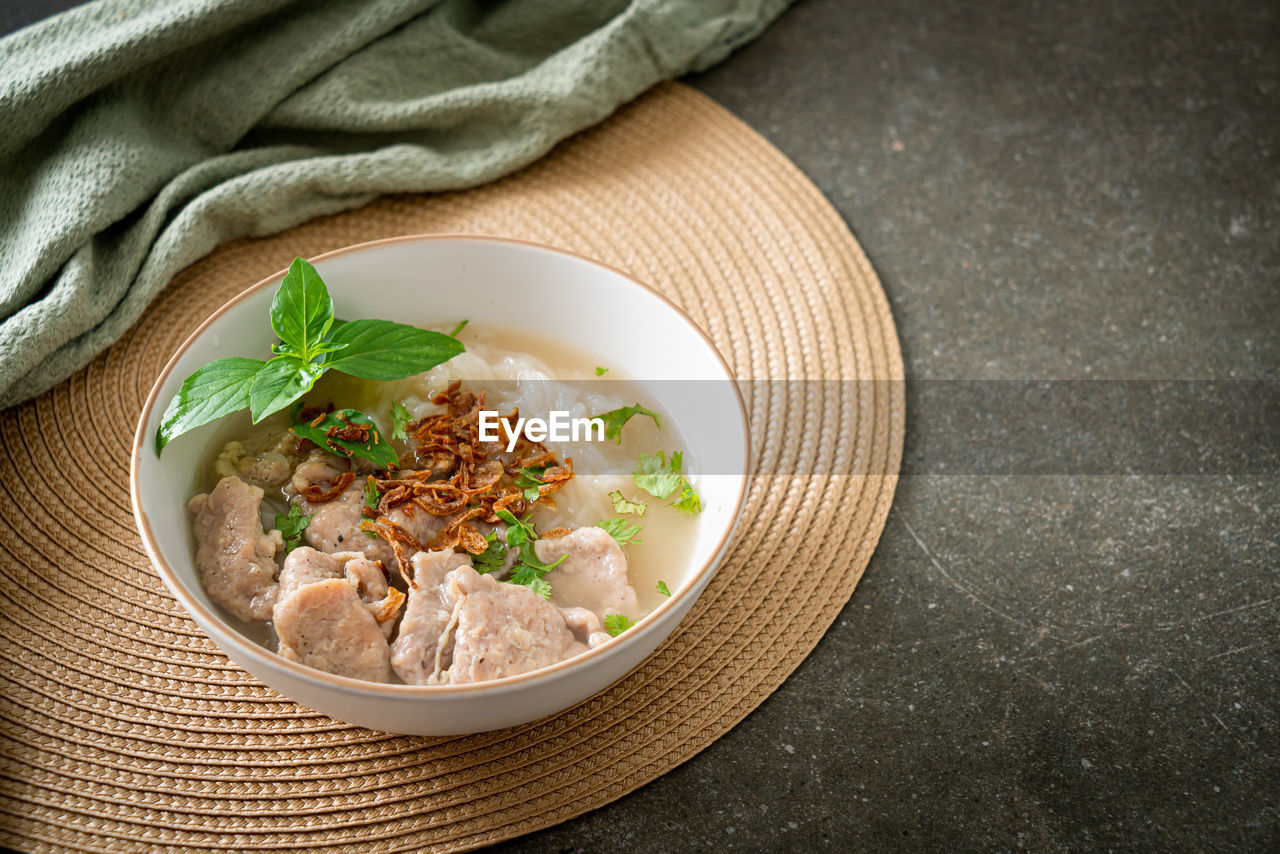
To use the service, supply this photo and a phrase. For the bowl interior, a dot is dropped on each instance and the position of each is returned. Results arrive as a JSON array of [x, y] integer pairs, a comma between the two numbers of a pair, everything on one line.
[[433, 281]]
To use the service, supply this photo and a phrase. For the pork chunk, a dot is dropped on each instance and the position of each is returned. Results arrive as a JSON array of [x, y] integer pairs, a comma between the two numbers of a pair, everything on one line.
[[586, 626], [416, 654], [335, 525], [501, 629], [593, 576], [324, 625], [306, 566], [235, 557]]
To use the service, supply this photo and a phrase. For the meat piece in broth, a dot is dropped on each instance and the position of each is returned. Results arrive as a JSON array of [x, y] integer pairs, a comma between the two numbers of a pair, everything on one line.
[[417, 654], [306, 566], [502, 629], [235, 557], [592, 576], [586, 626], [335, 525], [324, 625]]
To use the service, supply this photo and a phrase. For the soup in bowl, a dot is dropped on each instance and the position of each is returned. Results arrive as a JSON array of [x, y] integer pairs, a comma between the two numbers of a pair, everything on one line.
[[471, 546]]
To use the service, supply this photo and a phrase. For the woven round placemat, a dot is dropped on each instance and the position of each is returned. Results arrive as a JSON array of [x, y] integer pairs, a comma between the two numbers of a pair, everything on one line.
[[123, 728]]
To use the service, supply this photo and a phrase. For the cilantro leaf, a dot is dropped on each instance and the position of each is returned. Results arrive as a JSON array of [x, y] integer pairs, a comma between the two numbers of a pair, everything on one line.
[[386, 350], [528, 570], [622, 505], [529, 479], [623, 533], [492, 558], [616, 419], [662, 588], [616, 624], [400, 418], [527, 576], [291, 526], [329, 435], [688, 500], [656, 476], [371, 494], [219, 388], [302, 311], [660, 478], [601, 371]]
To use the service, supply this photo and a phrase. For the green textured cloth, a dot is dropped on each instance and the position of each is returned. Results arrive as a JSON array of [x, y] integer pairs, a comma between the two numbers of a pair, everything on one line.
[[136, 135]]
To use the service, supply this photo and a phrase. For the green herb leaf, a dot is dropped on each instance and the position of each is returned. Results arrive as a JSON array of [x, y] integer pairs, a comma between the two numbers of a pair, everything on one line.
[[372, 495], [302, 311], [601, 371], [385, 350], [616, 419], [656, 476], [279, 383], [400, 418], [622, 505], [622, 532], [616, 624], [688, 502], [292, 526], [492, 558], [528, 570], [529, 480], [660, 478], [461, 326], [662, 588], [219, 388], [375, 449], [527, 577]]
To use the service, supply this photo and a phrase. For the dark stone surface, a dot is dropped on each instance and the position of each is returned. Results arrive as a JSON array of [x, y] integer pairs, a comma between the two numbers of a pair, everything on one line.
[[1048, 190]]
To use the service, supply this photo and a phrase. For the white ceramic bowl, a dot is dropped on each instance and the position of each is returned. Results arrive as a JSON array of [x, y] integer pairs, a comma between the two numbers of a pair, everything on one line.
[[497, 283]]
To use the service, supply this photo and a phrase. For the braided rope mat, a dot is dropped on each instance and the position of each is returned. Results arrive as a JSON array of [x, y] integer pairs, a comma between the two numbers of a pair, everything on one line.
[[123, 728]]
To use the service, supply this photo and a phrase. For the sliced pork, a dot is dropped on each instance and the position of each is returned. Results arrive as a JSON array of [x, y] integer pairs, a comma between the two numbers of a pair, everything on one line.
[[235, 557], [325, 625], [593, 575], [501, 629], [306, 566], [335, 525], [586, 626], [416, 654]]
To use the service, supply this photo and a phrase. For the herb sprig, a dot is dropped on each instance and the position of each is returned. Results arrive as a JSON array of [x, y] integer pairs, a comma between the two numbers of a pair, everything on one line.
[[660, 477], [616, 419], [291, 526], [528, 570], [616, 624], [311, 343], [623, 533]]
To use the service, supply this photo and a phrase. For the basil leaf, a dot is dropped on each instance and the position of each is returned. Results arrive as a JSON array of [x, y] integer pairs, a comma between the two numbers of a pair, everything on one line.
[[327, 435], [279, 383], [302, 311], [219, 388], [385, 350]]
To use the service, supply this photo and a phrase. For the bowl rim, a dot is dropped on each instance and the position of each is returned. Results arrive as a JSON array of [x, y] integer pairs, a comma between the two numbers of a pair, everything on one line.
[[205, 615]]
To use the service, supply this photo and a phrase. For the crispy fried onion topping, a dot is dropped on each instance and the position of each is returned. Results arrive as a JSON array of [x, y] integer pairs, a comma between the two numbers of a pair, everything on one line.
[[316, 494], [453, 475]]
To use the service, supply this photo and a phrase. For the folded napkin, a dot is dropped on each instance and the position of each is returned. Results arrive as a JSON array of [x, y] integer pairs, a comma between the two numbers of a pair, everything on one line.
[[136, 135]]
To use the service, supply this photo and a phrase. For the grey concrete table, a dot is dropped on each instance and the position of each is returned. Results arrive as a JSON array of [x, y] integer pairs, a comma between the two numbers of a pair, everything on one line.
[[1081, 659]]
